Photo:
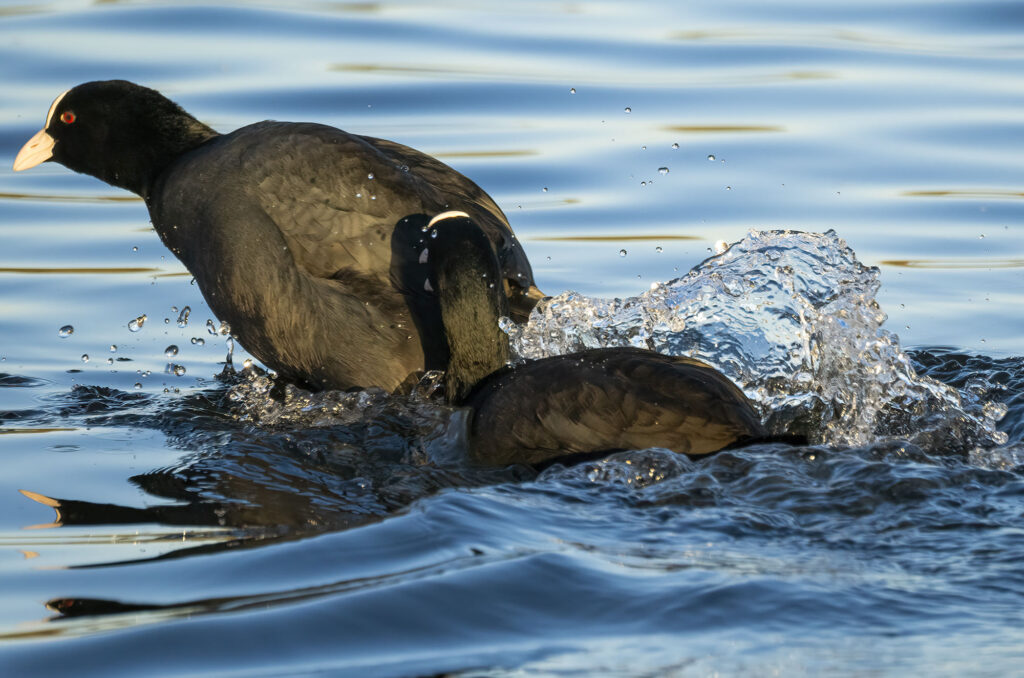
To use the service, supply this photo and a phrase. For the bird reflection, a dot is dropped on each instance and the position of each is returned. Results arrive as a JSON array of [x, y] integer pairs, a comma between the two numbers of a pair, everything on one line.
[[260, 484]]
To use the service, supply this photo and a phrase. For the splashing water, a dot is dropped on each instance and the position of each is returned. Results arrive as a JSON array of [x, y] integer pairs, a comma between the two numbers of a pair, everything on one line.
[[790, 317], [294, 406], [136, 324]]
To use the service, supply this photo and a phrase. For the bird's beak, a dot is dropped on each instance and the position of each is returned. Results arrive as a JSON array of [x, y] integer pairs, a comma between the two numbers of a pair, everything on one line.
[[38, 149]]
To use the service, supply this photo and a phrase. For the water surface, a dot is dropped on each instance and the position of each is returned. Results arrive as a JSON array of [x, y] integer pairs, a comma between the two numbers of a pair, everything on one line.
[[205, 530]]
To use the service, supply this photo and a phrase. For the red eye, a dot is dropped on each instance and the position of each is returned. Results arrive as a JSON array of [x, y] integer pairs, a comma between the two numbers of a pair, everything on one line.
[[67, 117]]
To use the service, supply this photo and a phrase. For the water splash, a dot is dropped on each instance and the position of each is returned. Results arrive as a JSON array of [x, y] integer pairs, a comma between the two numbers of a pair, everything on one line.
[[136, 324], [261, 400], [792, 318]]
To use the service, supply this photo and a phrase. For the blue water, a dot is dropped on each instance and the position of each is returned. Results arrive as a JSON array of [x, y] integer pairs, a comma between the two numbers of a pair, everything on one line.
[[199, 535]]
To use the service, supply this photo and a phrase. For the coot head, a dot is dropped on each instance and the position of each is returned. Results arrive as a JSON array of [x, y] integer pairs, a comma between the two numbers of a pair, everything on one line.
[[116, 131], [472, 301]]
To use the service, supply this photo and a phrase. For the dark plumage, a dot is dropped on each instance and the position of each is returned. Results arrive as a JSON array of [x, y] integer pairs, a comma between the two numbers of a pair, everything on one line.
[[301, 236], [585, 403]]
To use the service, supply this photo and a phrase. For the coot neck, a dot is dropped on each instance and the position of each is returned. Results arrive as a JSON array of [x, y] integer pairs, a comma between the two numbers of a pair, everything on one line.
[[472, 299], [162, 154]]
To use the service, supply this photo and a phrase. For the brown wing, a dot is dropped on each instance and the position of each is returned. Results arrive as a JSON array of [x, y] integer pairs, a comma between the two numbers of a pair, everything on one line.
[[606, 400]]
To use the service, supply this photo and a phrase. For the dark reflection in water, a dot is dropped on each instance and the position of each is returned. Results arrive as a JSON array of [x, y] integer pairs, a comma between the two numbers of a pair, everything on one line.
[[284, 481]]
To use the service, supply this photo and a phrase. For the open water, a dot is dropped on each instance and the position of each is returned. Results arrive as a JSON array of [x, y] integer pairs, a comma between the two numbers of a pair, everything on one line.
[[823, 199]]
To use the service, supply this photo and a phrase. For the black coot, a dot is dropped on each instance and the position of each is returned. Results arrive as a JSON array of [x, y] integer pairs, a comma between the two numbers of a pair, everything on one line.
[[287, 227], [582, 404]]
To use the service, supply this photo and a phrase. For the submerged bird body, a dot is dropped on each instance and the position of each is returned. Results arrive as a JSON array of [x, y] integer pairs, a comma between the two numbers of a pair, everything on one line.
[[606, 400], [302, 237], [581, 404]]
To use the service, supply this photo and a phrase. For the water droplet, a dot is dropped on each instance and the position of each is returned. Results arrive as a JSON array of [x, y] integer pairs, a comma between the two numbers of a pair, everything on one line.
[[711, 157], [628, 109], [198, 341], [224, 328], [113, 348], [662, 170], [622, 253], [65, 331], [210, 327], [177, 370], [137, 386], [981, 237], [544, 190], [728, 188], [572, 90], [643, 148], [433, 233], [370, 176], [675, 146], [183, 316], [643, 183], [85, 357], [135, 249], [247, 363], [110, 361], [658, 249], [171, 351], [359, 195], [136, 325]]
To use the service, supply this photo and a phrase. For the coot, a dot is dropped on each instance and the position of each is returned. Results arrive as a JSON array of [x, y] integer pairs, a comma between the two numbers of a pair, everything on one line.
[[287, 228], [569, 406]]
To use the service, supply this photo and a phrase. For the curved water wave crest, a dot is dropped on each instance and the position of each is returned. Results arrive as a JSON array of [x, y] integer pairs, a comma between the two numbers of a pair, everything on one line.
[[792, 318]]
